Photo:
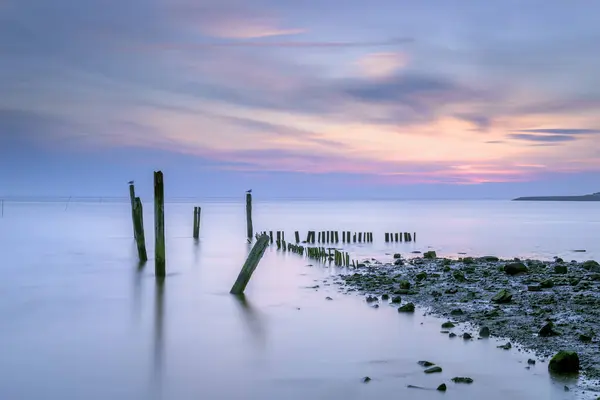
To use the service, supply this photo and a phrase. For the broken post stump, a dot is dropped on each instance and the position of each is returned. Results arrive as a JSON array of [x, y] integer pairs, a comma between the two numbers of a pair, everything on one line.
[[258, 250], [138, 224], [249, 228], [159, 225]]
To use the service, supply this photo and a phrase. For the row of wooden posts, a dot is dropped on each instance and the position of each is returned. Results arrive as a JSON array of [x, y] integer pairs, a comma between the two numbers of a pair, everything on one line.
[[397, 237]]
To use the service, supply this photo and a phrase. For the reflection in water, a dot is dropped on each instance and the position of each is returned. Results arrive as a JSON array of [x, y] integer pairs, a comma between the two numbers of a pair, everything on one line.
[[158, 335], [253, 321], [137, 290], [196, 250]]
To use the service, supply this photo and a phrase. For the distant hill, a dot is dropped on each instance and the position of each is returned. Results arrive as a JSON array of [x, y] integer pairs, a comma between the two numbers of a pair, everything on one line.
[[585, 197]]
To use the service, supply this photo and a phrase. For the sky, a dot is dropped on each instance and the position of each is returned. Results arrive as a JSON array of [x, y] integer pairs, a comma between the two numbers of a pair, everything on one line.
[[327, 98]]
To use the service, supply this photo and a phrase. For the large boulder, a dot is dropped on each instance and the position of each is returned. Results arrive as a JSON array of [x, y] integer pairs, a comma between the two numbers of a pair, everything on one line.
[[591, 266], [564, 362], [515, 268]]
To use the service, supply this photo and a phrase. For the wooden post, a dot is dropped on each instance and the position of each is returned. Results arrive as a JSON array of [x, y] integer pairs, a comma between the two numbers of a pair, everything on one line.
[[348, 236], [195, 230], [271, 236], [249, 228], [327, 236], [159, 225], [343, 236], [396, 236], [347, 259], [414, 236], [132, 200], [323, 237], [138, 223], [313, 235], [279, 236], [297, 234], [387, 237], [354, 237], [258, 250], [359, 237], [283, 235], [337, 237]]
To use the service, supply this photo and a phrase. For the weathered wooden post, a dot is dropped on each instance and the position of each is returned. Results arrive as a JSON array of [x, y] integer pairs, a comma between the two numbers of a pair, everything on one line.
[[271, 236], [414, 236], [159, 225], [359, 237], [258, 250], [249, 228], [279, 236], [354, 237], [196, 222], [396, 236], [337, 237], [132, 200], [138, 224], [387, 237], [297, 234]]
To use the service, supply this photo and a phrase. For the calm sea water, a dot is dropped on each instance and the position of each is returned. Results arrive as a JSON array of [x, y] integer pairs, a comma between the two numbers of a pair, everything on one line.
[[80, 320]]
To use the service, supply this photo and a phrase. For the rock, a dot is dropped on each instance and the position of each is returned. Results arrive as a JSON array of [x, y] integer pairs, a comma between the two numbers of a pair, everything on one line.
[[421, 276], [589, 264], [366, 379], [396, 299], [371, 299], [404, 285], [385, 296], [484, 332], [408, 308], [490, 258], [467, 336], [560, 269], [564, 362], [433, 370], [503, 296], [451, 291], [401, 291], [452, 334], [447, 325], [531, 362], [506, 346], [566, 388], [534, 288], [328, 298], [426, 363], [515, 268], [457, 311], [547, 284], [584, 337], [547, 330], [442, 387], [459, 276], [462, 379], [558, 260], [468, 260], [430, 255], [375, 306], [397, 255], [398, 261]]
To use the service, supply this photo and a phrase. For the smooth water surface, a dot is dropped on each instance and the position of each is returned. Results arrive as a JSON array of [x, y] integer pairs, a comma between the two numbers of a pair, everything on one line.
[[81, 320]]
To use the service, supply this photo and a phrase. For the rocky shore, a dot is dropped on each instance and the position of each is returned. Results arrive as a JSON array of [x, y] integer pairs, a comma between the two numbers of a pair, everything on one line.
[[544, 306]]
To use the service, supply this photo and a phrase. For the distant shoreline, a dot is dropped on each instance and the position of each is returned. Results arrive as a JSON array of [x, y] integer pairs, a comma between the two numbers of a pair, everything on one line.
[[587, 197]]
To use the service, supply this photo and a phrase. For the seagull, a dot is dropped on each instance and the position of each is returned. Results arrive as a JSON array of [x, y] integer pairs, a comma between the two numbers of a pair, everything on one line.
[[131, 182], [249, 191]]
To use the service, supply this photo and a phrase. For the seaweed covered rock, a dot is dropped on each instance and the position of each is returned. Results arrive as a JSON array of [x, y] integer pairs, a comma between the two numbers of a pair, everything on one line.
[[430, 255], [560, 269], [503, 296], [564, 362], [407, 308], [515, 268], [591, 266], [547, 330]]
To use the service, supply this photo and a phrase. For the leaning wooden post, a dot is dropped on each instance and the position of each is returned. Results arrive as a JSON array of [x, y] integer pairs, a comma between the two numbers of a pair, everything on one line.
[[249, 215], [258, 250], [138, 224], [297, 234], [159, 225], [132, 200]]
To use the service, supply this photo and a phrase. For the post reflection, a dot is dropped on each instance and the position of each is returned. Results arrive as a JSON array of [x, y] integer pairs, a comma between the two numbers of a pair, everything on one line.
[[159, 335], [253, 321]]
